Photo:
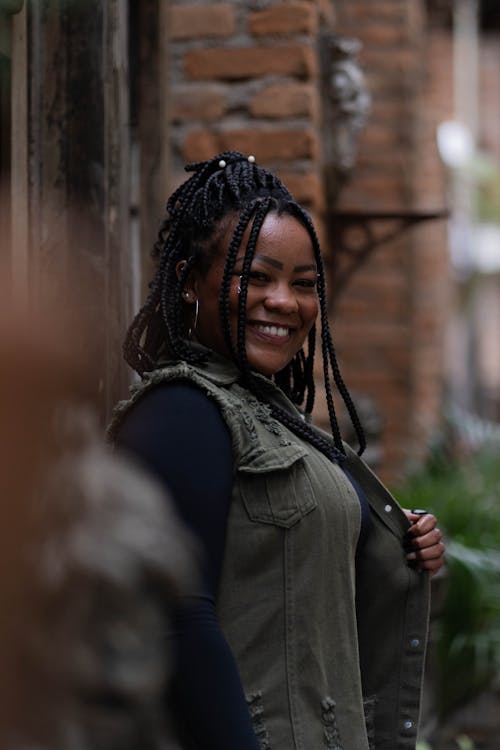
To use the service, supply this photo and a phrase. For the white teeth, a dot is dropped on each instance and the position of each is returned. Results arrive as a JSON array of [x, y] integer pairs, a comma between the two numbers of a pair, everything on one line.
[[273, 330]]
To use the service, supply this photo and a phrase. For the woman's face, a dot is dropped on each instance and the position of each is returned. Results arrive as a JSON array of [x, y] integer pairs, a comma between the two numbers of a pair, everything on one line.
[[282, 300]]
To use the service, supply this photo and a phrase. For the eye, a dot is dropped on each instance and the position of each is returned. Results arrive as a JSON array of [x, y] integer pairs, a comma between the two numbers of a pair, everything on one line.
[[258, 278], [306, 283]]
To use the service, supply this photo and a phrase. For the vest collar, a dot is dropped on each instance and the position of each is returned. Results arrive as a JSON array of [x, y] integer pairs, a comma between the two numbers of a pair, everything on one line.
[[223, 371]]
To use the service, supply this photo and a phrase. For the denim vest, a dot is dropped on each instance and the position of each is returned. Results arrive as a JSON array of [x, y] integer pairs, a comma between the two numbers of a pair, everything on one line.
[[330, 646]]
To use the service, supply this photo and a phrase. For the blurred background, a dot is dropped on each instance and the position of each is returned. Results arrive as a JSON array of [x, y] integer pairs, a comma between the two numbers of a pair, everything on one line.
[[384, 121]]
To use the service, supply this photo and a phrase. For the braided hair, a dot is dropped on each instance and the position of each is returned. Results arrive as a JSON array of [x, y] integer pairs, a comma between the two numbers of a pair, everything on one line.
[[232, 188]]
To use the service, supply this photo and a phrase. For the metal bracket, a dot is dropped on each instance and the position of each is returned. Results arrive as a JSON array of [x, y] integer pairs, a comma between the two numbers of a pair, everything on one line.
[[354, 239]]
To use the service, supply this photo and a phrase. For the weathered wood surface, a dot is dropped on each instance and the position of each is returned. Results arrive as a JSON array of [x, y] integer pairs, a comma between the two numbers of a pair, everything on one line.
[[79, 169]]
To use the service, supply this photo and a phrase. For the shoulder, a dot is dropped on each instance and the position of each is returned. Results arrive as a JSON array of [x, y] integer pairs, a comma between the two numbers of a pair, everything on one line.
[[179, 434], [171, 408], [171, 388]]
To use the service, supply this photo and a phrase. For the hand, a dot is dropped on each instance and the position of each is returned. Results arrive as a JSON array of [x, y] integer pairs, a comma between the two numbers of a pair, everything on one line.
[[424, 542]]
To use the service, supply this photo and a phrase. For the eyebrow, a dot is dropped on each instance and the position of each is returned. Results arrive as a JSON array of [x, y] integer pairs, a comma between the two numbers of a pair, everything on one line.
[[278, 264], [310, 267]]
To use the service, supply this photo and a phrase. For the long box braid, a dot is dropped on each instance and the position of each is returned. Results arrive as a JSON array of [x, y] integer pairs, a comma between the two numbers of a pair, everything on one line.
[[230, 187]]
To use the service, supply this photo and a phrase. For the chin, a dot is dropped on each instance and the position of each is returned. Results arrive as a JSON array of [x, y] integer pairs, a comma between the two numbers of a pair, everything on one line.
[[266, 367], [268, 358]]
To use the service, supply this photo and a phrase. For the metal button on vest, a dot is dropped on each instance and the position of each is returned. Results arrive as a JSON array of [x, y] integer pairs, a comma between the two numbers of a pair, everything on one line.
[[408, 724], [415, 642], [388, 508]]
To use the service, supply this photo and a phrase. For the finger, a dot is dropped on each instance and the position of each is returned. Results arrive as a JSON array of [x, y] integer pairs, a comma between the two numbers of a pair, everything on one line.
[[431, 559], [422, 524], [426, 540], [415, 513], [429, 553]]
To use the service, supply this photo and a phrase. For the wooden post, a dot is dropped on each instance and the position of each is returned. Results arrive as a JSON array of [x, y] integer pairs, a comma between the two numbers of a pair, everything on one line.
[[79, 203], [19, 162]]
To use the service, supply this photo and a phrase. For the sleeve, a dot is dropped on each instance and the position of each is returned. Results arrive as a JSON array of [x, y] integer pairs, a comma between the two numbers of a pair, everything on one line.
[[180, 436]]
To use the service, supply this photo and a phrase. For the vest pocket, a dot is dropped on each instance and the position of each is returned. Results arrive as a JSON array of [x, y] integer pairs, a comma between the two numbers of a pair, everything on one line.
[[274, 485]]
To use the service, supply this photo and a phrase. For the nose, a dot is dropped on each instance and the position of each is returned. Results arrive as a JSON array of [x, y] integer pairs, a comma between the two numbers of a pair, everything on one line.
[[281, 297]]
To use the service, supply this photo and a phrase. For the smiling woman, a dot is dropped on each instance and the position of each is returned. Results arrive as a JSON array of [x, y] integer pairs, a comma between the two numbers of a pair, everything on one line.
[[276, 650], [282, 300]]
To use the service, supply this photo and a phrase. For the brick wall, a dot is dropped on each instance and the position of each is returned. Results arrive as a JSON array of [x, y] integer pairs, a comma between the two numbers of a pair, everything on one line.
[[431, 276], [390, 323], [245, 76], [489, 87]]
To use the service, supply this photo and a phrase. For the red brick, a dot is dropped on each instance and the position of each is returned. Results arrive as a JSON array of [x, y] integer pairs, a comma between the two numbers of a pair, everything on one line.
[[374, 285], [378, 184], [387, 305], [326, 12], [284, 100], [284, 19], [384, 34], [393, 61], [383, 136], [394, 162], [197, 103], [201, 21], [357, 200], [268, 145], [385, 109], [376, 333], [389, 10], [249, 62]]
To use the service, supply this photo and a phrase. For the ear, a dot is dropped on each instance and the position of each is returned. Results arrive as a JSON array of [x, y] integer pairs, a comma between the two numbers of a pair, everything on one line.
[[188, 293]]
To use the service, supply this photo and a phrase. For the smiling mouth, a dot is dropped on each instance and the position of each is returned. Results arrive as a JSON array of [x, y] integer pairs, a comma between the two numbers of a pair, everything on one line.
[[272, 330]]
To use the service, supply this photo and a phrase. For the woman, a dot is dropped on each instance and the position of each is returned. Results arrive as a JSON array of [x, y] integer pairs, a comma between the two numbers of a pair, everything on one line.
[[309, 629]]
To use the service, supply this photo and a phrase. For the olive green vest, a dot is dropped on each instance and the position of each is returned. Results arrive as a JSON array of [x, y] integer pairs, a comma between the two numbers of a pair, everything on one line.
[[329, 646]]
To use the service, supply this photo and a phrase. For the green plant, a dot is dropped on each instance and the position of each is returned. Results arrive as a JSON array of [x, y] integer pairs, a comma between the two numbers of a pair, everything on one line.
[[483, 170], [469, 643], [465, 496], [465, 492], [489, 200]]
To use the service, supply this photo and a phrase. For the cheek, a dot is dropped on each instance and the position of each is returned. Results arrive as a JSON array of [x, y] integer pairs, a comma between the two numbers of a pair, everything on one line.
[[311, 309]]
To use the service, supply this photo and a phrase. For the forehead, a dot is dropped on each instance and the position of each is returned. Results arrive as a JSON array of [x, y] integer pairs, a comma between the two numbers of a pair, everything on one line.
[[283, 238]]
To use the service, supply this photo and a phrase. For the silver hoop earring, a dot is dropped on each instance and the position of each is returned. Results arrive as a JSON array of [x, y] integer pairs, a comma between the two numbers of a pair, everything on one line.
[[192, 329]]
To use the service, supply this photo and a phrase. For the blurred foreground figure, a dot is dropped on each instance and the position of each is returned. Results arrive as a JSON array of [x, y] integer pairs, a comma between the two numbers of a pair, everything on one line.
[[91, 558]]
